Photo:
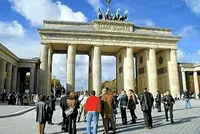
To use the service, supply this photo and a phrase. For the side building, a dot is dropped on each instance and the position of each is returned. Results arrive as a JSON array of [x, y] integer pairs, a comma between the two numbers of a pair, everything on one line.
[[14, 72]]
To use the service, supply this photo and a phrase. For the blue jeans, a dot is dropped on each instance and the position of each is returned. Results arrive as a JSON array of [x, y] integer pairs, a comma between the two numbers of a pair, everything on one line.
[[92, 116], [187, 103]]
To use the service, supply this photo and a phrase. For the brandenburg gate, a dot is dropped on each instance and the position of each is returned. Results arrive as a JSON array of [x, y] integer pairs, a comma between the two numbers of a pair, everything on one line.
[[154, 51]]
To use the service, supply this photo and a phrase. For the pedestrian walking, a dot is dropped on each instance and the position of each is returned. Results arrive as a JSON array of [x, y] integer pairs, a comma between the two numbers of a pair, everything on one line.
[[132, 102], [26, 99], [3, 96], [158, 101], [83, 97], [92, 108], [123, 99], [73, 103], [108, 102], [168, 101], [52, 108], [187, 99], [41, 113], [63, 105], [146, 102], [115, 105]]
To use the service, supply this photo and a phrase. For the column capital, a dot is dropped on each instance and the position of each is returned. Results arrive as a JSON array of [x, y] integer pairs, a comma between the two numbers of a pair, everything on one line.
[[173, 49], [96, 46], [149, 48], [50, 47], [72, 45]]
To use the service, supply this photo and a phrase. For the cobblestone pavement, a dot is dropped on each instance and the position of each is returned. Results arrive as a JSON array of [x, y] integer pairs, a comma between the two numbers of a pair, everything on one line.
[[187, 121]]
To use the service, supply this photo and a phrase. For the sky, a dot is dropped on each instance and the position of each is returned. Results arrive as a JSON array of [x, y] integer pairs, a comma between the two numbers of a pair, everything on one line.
[[19, 20]]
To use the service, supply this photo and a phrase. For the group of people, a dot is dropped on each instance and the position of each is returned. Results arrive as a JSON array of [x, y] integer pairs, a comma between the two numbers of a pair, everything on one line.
[[15, 98], [105, 106]]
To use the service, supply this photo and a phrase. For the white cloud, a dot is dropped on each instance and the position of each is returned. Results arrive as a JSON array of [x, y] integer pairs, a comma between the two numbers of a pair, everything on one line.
[[82, 68], [194, 5], [187, 31], [11, 29], [38, 10], [95, 4], [108, 68], [180, 55], [198, 52], [147, 23]]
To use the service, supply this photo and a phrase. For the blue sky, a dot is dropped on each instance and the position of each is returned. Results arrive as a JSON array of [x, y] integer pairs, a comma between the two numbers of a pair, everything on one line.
[[19, 20]]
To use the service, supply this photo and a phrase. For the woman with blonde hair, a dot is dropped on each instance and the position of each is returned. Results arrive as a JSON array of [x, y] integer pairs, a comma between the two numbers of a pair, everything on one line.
[[72, 102]]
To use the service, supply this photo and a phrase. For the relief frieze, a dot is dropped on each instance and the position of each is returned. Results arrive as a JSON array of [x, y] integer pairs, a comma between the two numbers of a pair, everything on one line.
[[105, 39], [113, 27]]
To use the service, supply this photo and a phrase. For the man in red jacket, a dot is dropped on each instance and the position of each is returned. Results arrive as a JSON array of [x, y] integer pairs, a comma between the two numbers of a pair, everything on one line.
[[92, 108]]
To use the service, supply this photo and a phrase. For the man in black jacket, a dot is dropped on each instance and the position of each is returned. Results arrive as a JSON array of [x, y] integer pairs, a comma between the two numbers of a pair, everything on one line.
[[63, 105], [146, 102], [168, 101], [187, 98], [52, 106]]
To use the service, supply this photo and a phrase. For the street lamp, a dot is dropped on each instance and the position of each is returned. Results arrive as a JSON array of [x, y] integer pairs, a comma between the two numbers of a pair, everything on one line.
[[54, 85]]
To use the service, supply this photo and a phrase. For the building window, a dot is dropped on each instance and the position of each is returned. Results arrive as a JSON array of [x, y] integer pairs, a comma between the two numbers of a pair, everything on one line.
[[120, 58], [141, 59]]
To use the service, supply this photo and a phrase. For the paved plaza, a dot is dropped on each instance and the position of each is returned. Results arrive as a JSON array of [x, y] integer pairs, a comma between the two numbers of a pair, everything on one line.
[[186, 122]]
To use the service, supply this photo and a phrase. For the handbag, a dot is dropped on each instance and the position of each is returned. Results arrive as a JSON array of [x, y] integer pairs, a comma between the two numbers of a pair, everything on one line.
[[69, 111]]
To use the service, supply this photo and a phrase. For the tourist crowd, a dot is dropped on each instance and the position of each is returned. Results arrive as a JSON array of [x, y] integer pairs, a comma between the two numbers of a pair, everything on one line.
[[15, 98], [93, 107]]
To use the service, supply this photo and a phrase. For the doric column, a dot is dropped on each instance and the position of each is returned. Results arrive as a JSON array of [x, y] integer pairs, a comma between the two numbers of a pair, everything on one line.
[[43, 69], [71, 57], [183, 80], [38, 81], [196, 84], [90, 79], [8, 78], [49, 71], [2, 74], [152, 72], [128, 70], [32, 80], [14, 79], [173, 73], [97, 70]]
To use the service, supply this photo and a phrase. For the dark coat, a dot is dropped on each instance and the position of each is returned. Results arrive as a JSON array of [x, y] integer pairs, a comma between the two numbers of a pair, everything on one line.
[[52, 103], [123, 99], [158, 100], [146, 101], [63, 105], [41, 112], [107, 100], [168, 101], [132, 102], [187, 94]]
